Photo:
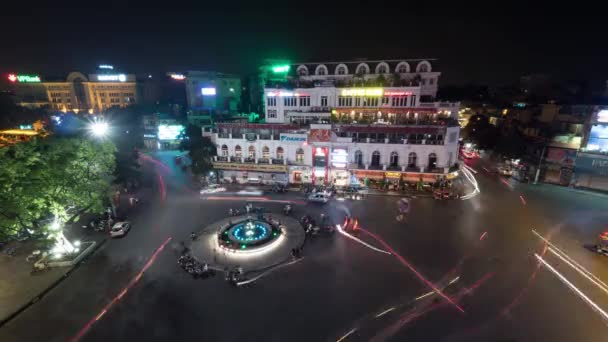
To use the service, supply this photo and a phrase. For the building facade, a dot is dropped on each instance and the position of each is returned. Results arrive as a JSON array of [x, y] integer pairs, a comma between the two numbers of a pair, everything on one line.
[[212, 92]]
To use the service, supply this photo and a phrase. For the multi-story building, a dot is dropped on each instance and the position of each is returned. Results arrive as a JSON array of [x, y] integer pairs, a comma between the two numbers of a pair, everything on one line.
[[212, 92], [347, 124], [95, 93]]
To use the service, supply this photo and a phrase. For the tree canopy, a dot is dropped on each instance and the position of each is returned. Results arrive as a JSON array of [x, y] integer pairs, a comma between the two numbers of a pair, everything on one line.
[[200, 150], [43, 178]]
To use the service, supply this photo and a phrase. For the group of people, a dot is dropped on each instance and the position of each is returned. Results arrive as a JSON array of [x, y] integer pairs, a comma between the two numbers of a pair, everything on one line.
[[193, 267]]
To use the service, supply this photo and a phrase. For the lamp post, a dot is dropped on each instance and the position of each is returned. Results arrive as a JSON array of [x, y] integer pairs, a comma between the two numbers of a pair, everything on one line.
[[99, 128]]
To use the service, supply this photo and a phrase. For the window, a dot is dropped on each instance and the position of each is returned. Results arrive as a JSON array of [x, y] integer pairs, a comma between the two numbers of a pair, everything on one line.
[[431, 81], [265, 152], [403, 101], [321, 71], [412, 158], [423, 81], [357, 101], [224, 151], [413, 101], [452, 137], [359, 158], [289, 101], [341, 101], [299, 155], [272, 113], [302, 70], [279, 152], [394, 159], [402, 69], [238, 152], [372, 102], [376, 159], [323, 101], [382, 69], [251, 152], [385, 100], [304, 101], [271, 101], [341, 70], [424, 68], [432, 160], [362, 69]]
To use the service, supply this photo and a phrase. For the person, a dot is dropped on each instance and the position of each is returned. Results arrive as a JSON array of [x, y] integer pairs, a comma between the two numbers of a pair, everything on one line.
[[323, 218], [192, 236], [205, 268]]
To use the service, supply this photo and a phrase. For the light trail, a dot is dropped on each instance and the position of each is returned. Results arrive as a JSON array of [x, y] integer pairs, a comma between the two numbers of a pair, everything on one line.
[[504, 181], [483, 236], [346, 335], [601, 285], [579, 267], [593, 305], [425, 295], [161, 184], [485, 169], [418, 274], [523, 200], [249, 281], [471, 178], [454, 280], [341, 231], [108, 306], [251, 199], [469, 168], [385, 312]]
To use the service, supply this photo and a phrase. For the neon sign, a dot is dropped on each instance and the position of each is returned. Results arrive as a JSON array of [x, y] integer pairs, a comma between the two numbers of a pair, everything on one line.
[[106, 66], [178, 77], [208, 91], [118, 77], [24, 78], [280, 68], [363, 92], [398, 93], [283, 94]]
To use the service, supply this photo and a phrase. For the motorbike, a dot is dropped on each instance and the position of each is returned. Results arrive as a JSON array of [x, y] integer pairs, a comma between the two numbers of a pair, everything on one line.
[[234, 212], [287, 209]]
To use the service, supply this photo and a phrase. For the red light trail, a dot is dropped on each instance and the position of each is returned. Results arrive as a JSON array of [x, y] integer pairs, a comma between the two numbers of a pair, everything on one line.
[[161, 184], [408, 265], [483, 236], [134, 281]]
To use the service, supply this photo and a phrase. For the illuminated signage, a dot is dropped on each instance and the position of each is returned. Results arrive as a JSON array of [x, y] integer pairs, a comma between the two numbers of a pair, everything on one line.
[[339, 158], [169, 132], [363, 92], [118, 77], [280, 68], [290, 137], [282, 93], [106, 66], [397, 93], [178, 77], [250, 167], [24, 78], [602, 116], [208, 91], [25, 127]]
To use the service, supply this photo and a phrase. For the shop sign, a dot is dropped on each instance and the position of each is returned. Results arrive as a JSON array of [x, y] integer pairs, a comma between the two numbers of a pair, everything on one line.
[[393, 175], [369, 174], [250, 167], [339, 158], [291, 137], [319, 135]]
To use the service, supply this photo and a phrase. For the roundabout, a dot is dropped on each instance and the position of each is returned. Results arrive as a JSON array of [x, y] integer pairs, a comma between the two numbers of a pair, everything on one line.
[[253, 243]]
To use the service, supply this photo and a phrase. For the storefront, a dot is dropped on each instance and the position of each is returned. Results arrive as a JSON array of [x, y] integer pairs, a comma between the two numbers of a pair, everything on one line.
[[252, 173], [339, 175], [591, 171], [300, 174], [559, 165]]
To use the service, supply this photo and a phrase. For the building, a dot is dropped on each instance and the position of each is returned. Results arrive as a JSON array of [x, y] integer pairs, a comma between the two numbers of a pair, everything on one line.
[[212, 92], [591, 165], [93, 93]]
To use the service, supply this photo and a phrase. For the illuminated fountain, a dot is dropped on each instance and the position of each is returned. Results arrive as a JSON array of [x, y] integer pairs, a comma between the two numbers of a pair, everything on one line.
[[248, 235]]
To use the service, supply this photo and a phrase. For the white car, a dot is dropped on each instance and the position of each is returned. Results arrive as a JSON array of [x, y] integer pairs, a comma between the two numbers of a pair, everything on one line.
[[250, 191], [212, 189], [318, 197], [120, 229]]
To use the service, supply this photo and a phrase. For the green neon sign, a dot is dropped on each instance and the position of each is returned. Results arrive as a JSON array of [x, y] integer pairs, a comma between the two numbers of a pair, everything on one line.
[[280, 68], [28, 78]]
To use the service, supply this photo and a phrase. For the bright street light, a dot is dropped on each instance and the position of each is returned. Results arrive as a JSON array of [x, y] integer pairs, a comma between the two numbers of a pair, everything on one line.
[[99, 128]]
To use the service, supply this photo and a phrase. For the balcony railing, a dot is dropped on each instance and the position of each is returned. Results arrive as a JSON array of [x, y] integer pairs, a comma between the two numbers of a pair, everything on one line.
[[357, 166], [264, 161], [375, 167], [278, 160], [224, 159], [235, 159], [249, 160], [224, 135], [393, 168]]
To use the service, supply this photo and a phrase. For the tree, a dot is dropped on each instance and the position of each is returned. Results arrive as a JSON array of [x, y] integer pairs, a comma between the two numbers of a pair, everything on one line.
[[127, 134], [53, 177], [481, 132], [200, 149]]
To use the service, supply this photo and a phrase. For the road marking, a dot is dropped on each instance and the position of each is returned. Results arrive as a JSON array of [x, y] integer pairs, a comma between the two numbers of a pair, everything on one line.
[[573, 288], [346, 335], [385, 312], [425, 295]]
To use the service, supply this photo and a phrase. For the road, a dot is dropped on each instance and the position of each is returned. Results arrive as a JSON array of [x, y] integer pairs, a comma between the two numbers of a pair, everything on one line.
[[475, 256]]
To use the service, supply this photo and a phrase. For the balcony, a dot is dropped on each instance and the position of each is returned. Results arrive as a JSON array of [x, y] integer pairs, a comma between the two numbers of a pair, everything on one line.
[[264, 161], [278, 160], [412, 168], [375, 167], [393, 168], [236, 159], [223, 159], [250, 160], [356, 166], [223, 135]]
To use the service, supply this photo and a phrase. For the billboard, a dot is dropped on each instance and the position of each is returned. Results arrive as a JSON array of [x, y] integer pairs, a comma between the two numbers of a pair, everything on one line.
[[320, 135], [169, 132], [293, 138]]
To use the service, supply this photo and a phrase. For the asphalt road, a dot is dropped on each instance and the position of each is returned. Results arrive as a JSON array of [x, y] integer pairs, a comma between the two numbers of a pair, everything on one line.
[[477, 253]]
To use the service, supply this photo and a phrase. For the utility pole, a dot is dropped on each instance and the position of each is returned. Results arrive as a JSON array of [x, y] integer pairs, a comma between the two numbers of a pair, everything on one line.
[[540, 161]]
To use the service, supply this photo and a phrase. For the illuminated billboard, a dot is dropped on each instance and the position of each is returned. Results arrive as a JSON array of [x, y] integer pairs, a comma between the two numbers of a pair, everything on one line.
[[598, 138], [169, 132], [178, 77], [339, 158], [208, 91], [24, 78], [112, 78], [362, 92], [280, 68]]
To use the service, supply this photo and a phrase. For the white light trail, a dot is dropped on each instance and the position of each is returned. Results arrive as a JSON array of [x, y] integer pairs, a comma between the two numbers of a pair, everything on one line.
[[248, 281], [601, 285], [346, 335], [471, 178], [454, 280], [341, 231], [425, 295], [596, 280], [385, 312], [594, 306]]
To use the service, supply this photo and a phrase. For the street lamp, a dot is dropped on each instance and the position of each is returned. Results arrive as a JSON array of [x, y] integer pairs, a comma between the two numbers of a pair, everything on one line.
[[99, 128]]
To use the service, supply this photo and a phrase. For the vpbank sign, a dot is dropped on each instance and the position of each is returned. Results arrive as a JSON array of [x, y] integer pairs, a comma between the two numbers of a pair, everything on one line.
[[295, 138]]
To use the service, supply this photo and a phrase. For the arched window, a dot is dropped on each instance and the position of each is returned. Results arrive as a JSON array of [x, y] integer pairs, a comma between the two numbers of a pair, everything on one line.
[[299, 155], [279, 152], [359, 158], [376, 159], [412, 159], [302, 70], [362, 69], [251, 154], [224, 151], [423, 66], [382, 68], [265, 152], [432, 160], [341, 70], [403, 68], [321, 70], [238, 152], [394, 159]]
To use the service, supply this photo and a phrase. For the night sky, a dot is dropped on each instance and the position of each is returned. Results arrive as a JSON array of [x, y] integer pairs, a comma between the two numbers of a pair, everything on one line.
[[491, 45]]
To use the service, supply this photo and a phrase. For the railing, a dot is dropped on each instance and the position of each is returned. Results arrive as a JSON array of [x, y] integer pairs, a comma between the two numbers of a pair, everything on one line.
[[412, 168], [224, 135], [264, 161], [433, 170], [393, 168], [235, 159], [278, 160], [375, 167], [433, 142], [356, 166], [265, 137], [224, 159], [249, 160]]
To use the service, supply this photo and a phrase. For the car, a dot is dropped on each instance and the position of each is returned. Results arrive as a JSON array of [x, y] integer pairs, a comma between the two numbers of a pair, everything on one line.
[[318, 197], [212, 189], [120, 229], [505, 171], [250, 191]]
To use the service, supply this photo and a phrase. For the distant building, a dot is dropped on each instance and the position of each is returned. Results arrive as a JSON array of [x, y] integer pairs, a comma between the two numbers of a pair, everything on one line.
[[212, 92]]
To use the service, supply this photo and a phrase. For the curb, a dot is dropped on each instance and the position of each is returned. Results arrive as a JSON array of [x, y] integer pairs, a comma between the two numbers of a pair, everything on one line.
[[47, 290]]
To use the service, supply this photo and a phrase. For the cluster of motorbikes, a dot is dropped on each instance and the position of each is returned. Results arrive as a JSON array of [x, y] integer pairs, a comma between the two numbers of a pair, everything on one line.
[[194, 268], [312, 229]]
